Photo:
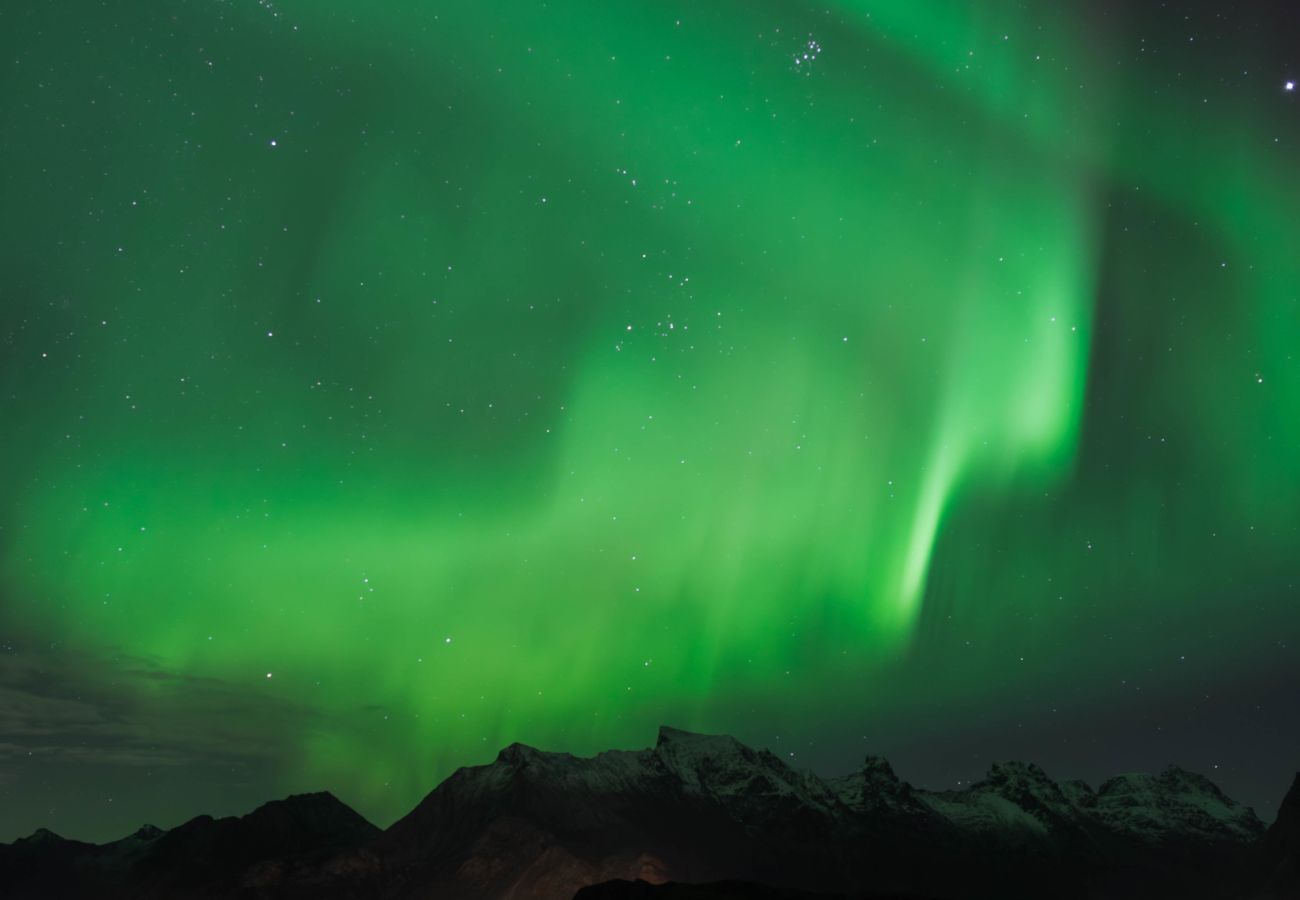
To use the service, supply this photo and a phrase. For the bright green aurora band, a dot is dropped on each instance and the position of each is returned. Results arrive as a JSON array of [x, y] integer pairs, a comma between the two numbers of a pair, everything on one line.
[[430, 376]]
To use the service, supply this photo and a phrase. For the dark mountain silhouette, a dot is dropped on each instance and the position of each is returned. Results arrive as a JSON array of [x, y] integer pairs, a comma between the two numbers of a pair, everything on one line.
[[205, 857], [700, 816], [1280, 849]]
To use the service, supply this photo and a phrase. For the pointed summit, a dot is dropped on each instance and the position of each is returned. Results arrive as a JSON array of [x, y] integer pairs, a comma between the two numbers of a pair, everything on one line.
[[315, 819], [876, 791], [518, 753], [877, 770], [701, 760], [41, 836]]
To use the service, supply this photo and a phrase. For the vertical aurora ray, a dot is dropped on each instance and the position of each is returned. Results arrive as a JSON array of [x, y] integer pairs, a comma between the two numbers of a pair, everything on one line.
[[563, 369]]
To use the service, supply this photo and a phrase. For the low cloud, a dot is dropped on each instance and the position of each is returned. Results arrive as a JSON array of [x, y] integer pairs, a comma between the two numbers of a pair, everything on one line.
[[60, 706]]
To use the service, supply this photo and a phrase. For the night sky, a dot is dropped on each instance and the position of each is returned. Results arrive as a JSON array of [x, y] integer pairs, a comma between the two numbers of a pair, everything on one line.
[[384, 383]]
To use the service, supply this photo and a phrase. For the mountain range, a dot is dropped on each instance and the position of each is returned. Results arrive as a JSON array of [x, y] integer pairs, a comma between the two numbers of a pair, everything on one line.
[[700, 817]]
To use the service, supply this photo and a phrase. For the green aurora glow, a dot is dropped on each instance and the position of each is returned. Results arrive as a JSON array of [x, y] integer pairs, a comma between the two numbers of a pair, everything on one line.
[[516, 371]]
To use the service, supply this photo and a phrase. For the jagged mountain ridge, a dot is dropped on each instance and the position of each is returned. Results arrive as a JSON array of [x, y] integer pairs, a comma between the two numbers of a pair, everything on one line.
[[696, 808]]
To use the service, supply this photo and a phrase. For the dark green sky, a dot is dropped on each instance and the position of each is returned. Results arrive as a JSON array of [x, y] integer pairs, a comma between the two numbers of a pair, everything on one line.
[[383, 384]]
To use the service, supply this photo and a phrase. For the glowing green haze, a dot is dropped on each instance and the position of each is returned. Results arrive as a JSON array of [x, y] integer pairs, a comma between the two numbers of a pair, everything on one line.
[[454, 374]]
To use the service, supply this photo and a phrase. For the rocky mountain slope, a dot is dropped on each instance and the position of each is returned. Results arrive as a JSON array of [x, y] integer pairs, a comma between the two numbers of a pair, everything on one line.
[[1280, 849], [700, 808]]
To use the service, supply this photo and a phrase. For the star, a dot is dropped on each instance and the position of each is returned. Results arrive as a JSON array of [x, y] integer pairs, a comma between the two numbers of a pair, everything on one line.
[[1290, 85]]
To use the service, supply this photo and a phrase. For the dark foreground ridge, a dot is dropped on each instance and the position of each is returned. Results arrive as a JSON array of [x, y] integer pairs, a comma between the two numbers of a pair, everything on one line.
[[700, 817]]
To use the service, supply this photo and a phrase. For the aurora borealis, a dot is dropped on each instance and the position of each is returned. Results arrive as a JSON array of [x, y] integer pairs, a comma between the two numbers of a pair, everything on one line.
[[386, 383]]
